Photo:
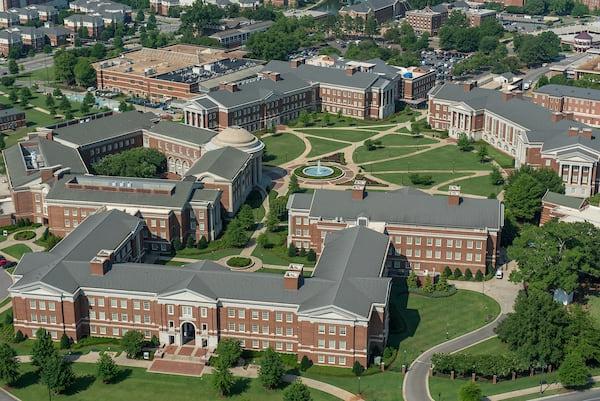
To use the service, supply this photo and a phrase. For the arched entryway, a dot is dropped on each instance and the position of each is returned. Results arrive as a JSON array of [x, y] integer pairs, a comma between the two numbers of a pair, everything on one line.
[[188, 333]]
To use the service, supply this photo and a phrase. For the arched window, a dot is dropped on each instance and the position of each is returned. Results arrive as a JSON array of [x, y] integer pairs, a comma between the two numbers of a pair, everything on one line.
[[186, 167], [178, 166], [171, 165]]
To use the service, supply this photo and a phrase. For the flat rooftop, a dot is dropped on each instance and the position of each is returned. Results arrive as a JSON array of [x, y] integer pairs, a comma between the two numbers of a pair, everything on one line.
[[153, 62], [192, 74], [591, 65]]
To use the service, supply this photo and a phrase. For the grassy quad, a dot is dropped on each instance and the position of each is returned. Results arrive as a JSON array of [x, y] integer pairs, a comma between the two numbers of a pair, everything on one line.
[[17, 250], [406, 140], [282, 148], [446, 158], [404, 178], [321, 146], [503, 159], [145, 387], [481, 186], [363, 155], [340, 134], [416, 323]]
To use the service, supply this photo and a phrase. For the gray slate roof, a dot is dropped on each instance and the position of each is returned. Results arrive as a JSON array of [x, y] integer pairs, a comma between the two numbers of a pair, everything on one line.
[[563, 200], [346, 277], [225, 162], [537, 120], [181, 195], [403, 206], [570, 91], [52, 152], [186, 133], [10, 112]]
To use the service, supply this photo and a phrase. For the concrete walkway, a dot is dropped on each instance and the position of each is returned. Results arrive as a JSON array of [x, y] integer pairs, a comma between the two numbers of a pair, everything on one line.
[[533, 390]]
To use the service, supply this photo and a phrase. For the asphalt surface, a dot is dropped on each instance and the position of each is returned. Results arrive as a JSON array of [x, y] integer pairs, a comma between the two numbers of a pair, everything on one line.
[[30, 64], [416, 386], [587, 395]]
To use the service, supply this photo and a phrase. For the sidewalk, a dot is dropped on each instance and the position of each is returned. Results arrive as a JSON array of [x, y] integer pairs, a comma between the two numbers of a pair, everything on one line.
[[532, 390]]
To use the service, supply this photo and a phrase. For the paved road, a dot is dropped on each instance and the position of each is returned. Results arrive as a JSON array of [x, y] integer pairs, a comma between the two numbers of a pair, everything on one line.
[[587, 395], [30, 64], [415, 387]]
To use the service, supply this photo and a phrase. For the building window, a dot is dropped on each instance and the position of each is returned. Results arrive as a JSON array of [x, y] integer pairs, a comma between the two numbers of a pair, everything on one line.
[[254, 315], [241, 313], [231, 312], [331, 360], [332, 330], [136, 305], [186, 311], [278, 316], [342, 360], [123, 304], [170, 310], [146, 305], [265, 315], [321, 329], [113, 303], [203, 312], [289, 318], [321, 343]]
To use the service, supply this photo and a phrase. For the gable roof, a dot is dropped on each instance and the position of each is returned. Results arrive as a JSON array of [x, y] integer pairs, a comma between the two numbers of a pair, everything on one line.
[[563, 200], [570, 91], [225, 162]]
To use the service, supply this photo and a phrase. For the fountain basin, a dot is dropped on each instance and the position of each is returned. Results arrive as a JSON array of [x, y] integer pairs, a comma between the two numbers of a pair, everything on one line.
[[317, 171]]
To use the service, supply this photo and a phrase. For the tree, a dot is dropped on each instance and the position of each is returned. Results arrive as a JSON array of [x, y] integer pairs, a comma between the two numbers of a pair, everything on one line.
[[246, 216], [538, 330], [271, 369], [457, 273], [304, 118], [229, 351], [447, 272], [272, 221], [412, 281], [7, 80], [525, 189], [64, 104], [57, 92], [107, 368], [479, 276], [49, 101], [42, 349], [292, 251], [98, 51], [13, 67], [482, 153], [573, 372], [464, 143], [9, 364], [428, 284], [311, 256], [85, 108], [64, 64], [579, 9], [25, 96], [235, 234], [57, 374], [202, 243], [442, 284], [85, 75], [190, 243], [136, 162], [371, 26], [118, 42], [496, 176], [536, 7], [19, 337], [470, 392], [557, 255], [89, 99], [305, 364], [132, 342], [140, 17], [468, 275], [222, 379], [297, 391], [12, 96], [357, 369], [293, 187], [65, 341], [124, 106]]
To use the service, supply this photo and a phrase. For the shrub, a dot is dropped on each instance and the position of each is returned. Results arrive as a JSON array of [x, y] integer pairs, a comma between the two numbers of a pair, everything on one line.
[[418, 179], [468, 275], [357, 368], [573, 373], [24, 235], [428, 284], [239, 261], [442, 284], [447, 272], [132, 342], [457, 273], [485, 365], [303, 252], [479, 276], [8, 318], [65, 341], [305, 363], [202, 243], [470, 392], [19, 337], [292, 251], [190, 242], [107, 368], [311, 256], [389, 354], [412, 281], [297, 391]]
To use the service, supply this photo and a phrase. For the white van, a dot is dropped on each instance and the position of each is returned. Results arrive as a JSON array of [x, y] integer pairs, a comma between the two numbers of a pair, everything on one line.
[[499, 273]]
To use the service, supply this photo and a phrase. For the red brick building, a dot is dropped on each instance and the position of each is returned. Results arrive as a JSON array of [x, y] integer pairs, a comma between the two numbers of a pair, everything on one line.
[[431, 233], [582, 103], [530, 133], [429, 19], [94, 285]]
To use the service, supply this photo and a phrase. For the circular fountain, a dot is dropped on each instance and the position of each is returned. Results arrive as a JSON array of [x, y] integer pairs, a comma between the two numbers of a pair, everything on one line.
[[318, 172]]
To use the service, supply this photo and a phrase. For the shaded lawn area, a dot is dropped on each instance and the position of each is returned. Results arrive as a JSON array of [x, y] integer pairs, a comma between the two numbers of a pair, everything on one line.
[[404, 178], [416, 323], [446, 158], [489, 346], [17, 250], [481, 186], [281, 148], [210, 253], [144, 386], [362, 155], [405, 140], [321, 146], [340, 134], [277, 252], [503, 159]]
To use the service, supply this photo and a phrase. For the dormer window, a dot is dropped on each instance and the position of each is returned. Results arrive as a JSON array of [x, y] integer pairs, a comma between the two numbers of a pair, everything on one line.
[[362, 221]]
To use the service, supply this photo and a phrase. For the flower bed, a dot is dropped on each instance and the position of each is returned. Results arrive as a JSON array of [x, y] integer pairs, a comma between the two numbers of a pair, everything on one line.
[[239, 261], [24, 235]]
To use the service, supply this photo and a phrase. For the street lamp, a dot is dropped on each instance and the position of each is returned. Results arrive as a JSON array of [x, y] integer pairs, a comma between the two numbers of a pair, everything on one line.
[[358, 384]]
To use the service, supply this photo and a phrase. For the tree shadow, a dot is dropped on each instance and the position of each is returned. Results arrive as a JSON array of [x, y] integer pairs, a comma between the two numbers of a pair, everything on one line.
[[403, 321], [26, 379], [122, 375], [240, 386], [80, 384]]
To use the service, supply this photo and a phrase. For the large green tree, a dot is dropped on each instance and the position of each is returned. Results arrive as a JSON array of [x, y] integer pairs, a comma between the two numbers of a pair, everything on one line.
[[43, 348], [132, 342], [297, 391], [557, 255], [9, 365], [271, 369], [222, 378], [573, 372], [57, 374], [85, 75], [137, 162], [107, 368], [229, 351], [64, 63]]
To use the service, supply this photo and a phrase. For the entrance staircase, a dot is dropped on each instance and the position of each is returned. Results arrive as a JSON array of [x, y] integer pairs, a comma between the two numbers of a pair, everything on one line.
[[187, 360]]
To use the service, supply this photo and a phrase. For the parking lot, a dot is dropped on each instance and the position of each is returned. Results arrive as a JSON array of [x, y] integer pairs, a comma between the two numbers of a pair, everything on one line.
[[442, 61]]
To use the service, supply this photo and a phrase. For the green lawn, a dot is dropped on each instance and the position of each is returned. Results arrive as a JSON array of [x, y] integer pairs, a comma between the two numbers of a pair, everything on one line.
[[446, 158], [340, 134], [321, 146], [305, 273], [594, 308], [277, 253], [404, 140], [362, 155], [144, 386], [404, 178], [374, 128], [503, 159], [17, 250], [282, 148], [416, 323], [42, 74], [208, 253], [489, 346], [477, 186]]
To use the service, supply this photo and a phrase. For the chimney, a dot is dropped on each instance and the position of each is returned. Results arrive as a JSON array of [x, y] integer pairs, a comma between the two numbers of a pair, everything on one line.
[[293, 277], [358, 189], [573, 131], [467, 86], [273, 76], [586, 133], [101, 263], [556, 117], [46, 174], [454, 195], [295, 63], [350, 70], [229, 86], [506, 96], [568, 115]]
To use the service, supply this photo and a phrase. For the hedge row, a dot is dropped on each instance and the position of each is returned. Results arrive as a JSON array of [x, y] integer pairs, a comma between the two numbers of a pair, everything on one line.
[[501, 365]]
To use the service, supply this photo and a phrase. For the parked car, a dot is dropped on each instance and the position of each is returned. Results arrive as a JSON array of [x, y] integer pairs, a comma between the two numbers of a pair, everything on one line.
[[499, 274]]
